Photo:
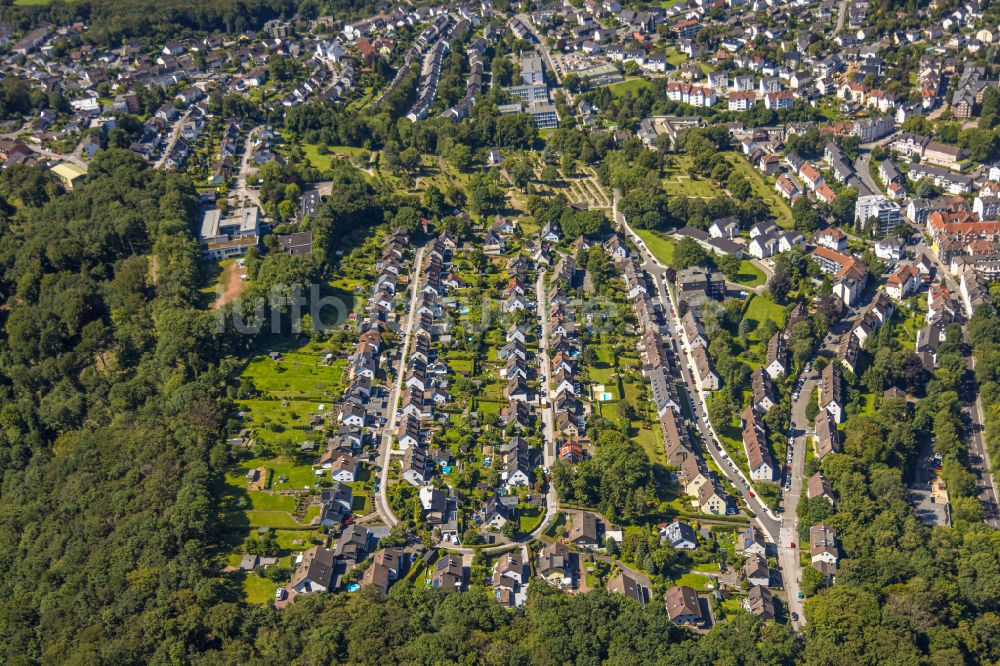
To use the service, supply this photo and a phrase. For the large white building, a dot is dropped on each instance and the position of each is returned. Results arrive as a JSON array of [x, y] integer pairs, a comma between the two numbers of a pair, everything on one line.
[[885, 213], [225, 237]]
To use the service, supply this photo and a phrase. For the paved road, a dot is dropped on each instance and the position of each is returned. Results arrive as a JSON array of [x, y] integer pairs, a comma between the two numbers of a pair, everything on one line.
[[549, 453], [542, 47], [766, 268], [841, 16], [175, 134], [243, 193], [73, 158], [385, 455], [861, 166], [801, 428], [764, 517], [979, 456]]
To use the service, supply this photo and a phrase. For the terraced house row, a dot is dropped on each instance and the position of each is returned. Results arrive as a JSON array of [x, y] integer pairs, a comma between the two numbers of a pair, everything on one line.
[[660, 368]]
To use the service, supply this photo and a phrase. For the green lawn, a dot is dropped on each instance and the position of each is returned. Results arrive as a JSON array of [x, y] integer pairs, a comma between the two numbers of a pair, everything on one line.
[[299, 473], [761, 308], [530, 519], [711, 567], [675, 57], [696, 581], [866, 402], [323, 162], [731, 606], [661, 246], [265, 501], [629, 86], [651, 440], [779, 207], [286, 539], [258, 590], [749, 274], [297, 375], [680, 182], [272, 519]]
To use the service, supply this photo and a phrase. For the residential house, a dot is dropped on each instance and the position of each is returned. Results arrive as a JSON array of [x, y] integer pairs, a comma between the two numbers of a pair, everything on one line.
[[385, 569], [555, 565], [831, 392], [679, 535], [315, 571], [777, 356], [585, 531], [683, 606], [823, 549], [759, 602], [449, 573], [818, 486], [755, 570], [750, 541], [826, 434], [711, 499], [631, 585]]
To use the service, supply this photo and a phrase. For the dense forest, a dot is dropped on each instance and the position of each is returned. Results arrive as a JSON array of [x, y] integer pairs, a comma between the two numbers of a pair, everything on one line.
[[110, 23]]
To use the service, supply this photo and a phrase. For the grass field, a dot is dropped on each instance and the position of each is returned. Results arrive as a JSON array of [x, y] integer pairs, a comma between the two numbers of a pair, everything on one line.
[[661, 247], [675, 57], [695, 581], [263, 501], [678, 180], [760, 309], [779, 207], [323, 162], [272, 519], [711, 567], [530, 519], [630, 85], [749, 274], [651, 440], [298, 375], [257, 589], [298, 472]]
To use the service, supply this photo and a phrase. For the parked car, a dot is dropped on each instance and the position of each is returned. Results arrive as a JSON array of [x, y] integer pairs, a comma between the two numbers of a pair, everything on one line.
[[280, 594]]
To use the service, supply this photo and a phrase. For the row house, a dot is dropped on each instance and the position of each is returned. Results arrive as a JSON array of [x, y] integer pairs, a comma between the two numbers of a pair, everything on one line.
[[695, 95], [755, 446]]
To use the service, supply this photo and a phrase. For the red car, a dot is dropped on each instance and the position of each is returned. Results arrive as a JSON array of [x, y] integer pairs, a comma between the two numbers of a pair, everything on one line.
[[791, 545], [751, 494]]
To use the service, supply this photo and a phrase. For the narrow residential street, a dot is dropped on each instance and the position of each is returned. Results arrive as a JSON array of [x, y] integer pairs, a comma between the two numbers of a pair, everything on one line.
[[841, 16], [175, 133], [861, 167], [979, 457], [788, 556], [385, 455], [543, 48], [549, 453], [763, 516], [242, 193]]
